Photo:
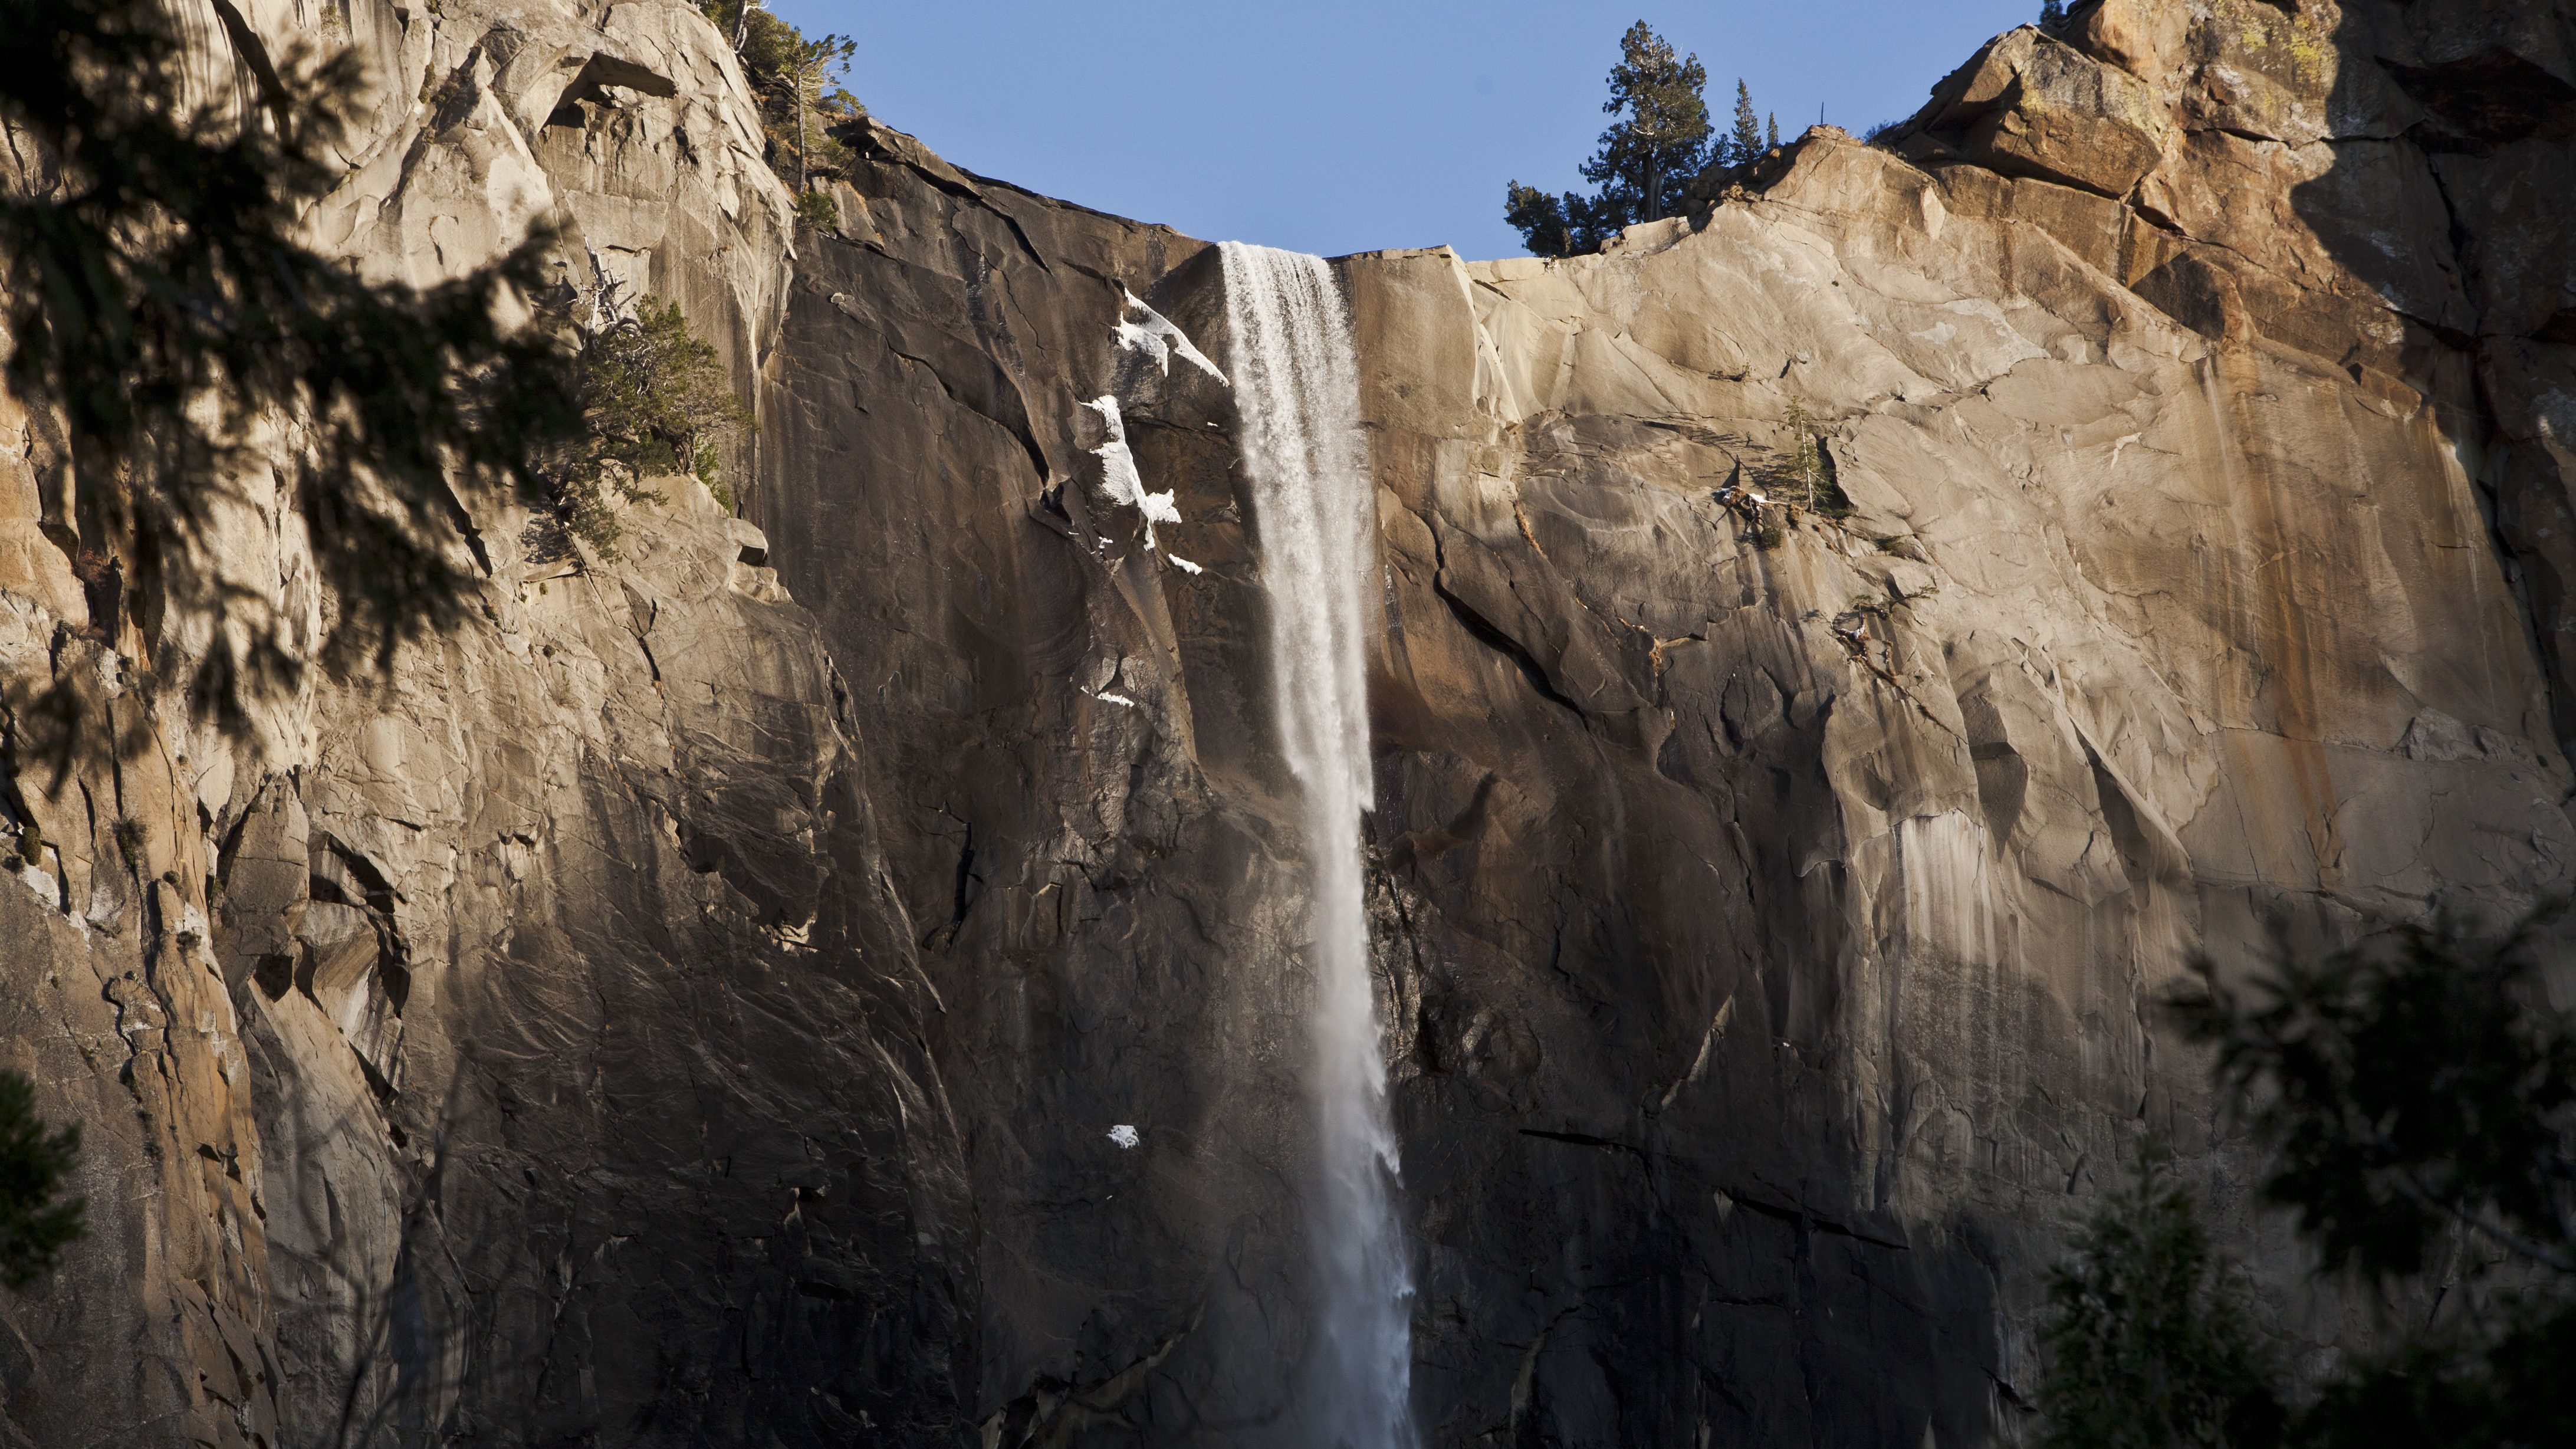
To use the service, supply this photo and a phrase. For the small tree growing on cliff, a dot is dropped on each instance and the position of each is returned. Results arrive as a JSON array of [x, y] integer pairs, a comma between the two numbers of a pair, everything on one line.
[[1809, 468], [808, 66], [1804, 465], [657, 401], [36, 1221], [791, 78], [1659, 142]]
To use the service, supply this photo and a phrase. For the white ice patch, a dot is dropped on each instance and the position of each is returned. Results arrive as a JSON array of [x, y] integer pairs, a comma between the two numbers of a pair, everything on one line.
[[47, 889], [1156, 336], [1118, 466], [1124, 1135], [1119, 699], [1184, 565]]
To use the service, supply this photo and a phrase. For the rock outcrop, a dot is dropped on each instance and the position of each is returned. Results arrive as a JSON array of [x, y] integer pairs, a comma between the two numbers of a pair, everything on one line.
[[836, 975]]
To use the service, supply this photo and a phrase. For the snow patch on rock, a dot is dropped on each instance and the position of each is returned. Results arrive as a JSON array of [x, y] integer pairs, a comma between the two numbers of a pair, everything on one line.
[[1155, 336], [1118, 465]]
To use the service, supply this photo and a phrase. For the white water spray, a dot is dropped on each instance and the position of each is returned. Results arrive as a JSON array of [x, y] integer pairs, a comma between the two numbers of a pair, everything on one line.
[[1297, 391]]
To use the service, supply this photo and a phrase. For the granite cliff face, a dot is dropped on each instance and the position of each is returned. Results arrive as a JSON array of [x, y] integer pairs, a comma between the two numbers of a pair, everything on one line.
[[690, 1005]]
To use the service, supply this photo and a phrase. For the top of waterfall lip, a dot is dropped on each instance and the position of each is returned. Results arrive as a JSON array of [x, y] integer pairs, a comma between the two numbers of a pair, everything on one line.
[[1157, 335]]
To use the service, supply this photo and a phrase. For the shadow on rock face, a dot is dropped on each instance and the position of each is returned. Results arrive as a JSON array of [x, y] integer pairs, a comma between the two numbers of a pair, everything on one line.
[[2475, 108]]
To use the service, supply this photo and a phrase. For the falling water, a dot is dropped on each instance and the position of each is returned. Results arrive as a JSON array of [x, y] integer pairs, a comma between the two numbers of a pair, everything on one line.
[[1297, 391]]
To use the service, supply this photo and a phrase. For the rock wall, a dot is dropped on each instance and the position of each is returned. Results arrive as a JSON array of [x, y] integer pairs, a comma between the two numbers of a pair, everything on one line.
[[1771, 933], [1873, 848], [2187, 581], [691, 1005]]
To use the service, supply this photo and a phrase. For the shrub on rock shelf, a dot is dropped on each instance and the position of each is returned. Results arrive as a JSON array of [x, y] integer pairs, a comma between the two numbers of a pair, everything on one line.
[[817, 210], [658, 402]]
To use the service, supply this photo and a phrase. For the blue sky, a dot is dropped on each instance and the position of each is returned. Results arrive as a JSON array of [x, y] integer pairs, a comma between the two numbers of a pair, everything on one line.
[[1337, 126]]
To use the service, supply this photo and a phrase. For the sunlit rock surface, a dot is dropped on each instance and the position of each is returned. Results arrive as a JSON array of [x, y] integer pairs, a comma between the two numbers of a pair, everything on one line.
[[832, 976]]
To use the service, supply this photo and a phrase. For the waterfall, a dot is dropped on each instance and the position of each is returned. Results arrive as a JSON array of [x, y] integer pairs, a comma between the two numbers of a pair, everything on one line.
[[1296, 380]]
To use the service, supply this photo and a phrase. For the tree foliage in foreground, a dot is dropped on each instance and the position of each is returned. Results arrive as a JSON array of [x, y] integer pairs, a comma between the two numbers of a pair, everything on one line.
[[2148, 1339], [166, 313], [2417, 1095], [36, 1220], [2407, 1087]]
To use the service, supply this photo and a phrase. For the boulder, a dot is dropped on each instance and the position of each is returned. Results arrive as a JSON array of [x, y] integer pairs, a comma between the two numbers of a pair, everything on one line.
[[2029, 105]]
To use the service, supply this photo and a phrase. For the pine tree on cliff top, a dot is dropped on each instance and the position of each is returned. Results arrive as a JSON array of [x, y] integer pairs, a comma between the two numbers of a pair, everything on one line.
[[1662, 138], [1659, 142], [1746, 142], [1550, 225]]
